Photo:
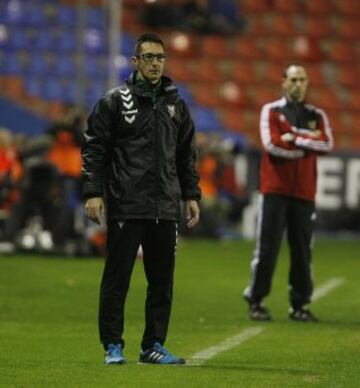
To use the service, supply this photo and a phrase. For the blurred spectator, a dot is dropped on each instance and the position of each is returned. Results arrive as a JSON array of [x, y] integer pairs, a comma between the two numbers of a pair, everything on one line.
[[204, 16]]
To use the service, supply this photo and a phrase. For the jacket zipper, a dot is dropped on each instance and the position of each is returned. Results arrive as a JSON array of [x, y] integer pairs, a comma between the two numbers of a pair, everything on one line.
[[157, 166]]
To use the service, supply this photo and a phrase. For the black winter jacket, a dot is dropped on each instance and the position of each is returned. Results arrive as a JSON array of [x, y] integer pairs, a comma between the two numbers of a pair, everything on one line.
[[139, 153]]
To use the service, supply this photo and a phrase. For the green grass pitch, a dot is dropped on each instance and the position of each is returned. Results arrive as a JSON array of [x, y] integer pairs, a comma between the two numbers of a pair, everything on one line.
[[48, 323]]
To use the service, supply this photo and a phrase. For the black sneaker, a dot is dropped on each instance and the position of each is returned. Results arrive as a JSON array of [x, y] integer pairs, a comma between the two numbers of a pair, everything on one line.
[[257, 312], [302, 314], [159, 355]]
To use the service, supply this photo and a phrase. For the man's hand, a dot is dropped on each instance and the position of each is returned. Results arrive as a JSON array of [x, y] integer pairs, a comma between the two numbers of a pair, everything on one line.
[[95, 209], [192, 213], [288, 137]]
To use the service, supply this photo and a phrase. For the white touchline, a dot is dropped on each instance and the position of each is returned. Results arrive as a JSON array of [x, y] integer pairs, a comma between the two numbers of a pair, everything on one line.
[[231, 342], [327, 287]]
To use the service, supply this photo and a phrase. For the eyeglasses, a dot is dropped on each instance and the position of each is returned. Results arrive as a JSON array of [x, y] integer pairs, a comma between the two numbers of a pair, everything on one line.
[[149, 57]]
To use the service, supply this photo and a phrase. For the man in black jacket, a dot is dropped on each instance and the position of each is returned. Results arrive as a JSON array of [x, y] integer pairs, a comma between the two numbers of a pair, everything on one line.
[[138, 163]]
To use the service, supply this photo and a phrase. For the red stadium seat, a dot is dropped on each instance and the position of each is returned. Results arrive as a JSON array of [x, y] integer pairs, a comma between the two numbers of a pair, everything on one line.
[[318, 27], [316, 75], [250, 6], [243, 72], [180, 70], [232, 95], [354, 100], [319, 7], [348, 7], [325, 98], [263, 94], [206, 70], [206, 95], [306, 49], [247, 48], [278, 49], [348, 76], [349, 29], [286, 6], [272, 73], [257, 25], [342, 52], [283, 24], [182, 45], [215, 46]]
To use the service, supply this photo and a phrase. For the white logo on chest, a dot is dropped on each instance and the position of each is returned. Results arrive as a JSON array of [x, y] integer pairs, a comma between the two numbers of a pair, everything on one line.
[[171, 110]]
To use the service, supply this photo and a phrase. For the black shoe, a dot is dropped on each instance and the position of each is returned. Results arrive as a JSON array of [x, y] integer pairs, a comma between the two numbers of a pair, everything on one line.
[[159, 355], [257, 312], [302, 314]]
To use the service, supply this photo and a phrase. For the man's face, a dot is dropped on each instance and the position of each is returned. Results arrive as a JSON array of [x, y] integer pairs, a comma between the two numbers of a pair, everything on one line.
[[151, 61], [295, 83]]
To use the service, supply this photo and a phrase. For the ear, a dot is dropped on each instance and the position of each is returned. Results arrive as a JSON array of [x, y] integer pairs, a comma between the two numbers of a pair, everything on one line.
[[135, 61]]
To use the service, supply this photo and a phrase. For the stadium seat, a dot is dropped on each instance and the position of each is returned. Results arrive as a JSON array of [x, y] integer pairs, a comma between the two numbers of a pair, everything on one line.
[[17, 39], [11, 63], [286, 6], [348, 76], [181, 44], [65, 41], [44, 40], [272, 72], [38, 65], [349, 29], [247, 48], [348, 7], [206, 95], [278, 49], [318, 27], [353, 101], [63, 66], [325, 98], [51, 89], [306, 49], [255, 6], [66, 16], [180, 70], [206, 70], [316, 74], [284, 24], [319, 7], [95, 17], [95, 41], [263, 94], [244, 72], [215, 47], [232, 95], [342, 52], [257, 25]]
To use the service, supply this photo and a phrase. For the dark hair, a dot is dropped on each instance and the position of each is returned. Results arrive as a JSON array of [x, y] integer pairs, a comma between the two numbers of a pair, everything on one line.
[[286, 68], [146, 38]]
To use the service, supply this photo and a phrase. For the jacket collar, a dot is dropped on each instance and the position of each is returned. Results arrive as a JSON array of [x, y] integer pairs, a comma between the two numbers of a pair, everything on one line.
[[165, 85]]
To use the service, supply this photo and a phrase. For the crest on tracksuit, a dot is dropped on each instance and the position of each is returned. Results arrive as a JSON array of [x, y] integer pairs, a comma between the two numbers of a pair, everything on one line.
[[171, 110]]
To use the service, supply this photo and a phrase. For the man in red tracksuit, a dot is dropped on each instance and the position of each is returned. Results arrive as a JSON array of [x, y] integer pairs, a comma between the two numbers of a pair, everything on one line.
[[293, 133]]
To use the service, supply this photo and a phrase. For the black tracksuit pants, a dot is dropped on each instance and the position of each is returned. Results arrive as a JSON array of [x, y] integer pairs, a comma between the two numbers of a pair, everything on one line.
[[158, 240], [277, 213]]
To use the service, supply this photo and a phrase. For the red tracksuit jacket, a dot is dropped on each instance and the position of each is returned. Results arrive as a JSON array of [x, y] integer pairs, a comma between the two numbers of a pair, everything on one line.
[[289, 168]]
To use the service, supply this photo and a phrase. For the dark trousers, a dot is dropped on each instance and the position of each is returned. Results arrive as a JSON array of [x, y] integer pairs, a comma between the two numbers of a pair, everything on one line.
[[158, 242], [277, 213]]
